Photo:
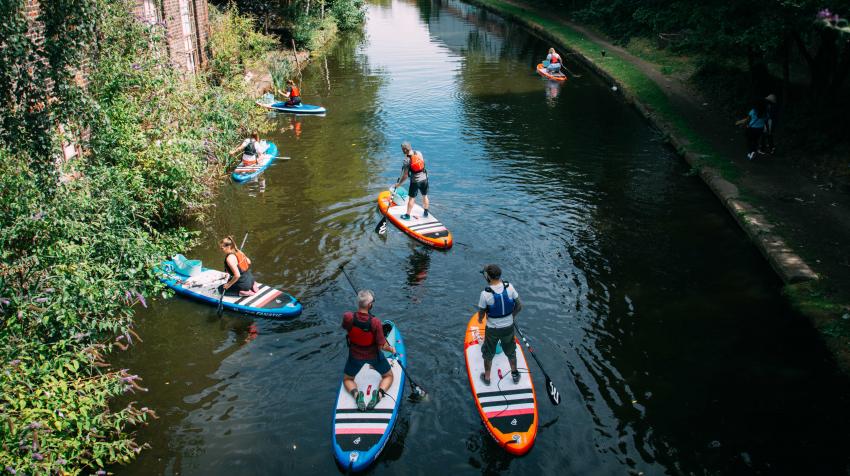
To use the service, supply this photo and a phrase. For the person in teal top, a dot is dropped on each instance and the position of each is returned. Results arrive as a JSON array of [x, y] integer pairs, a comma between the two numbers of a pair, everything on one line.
[[754, 125]]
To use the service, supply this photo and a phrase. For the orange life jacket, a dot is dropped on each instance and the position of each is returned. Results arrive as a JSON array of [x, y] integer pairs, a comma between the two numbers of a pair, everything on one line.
[[556, 58], [417, 162], [294, 92], [361, 332], [241, 261]]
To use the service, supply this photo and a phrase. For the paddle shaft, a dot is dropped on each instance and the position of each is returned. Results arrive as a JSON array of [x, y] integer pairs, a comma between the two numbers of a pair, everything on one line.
[[554, 396], [381, 227]]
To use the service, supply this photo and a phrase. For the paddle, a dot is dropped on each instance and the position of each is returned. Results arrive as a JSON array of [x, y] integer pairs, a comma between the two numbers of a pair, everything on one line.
[[417, 389], [221, 298], [554, 396], [381, 227]]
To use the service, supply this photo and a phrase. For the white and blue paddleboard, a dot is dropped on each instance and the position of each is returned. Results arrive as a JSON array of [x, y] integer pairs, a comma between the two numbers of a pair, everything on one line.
[[359, 437], [268, 301], [247, 172], [302, 108]]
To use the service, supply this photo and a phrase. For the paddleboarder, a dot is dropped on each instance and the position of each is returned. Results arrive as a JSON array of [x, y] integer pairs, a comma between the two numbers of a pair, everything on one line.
[[500, 302], [238, 267], [292, 94], [365, 341], [554, 60], [251, 150], [414, 166]]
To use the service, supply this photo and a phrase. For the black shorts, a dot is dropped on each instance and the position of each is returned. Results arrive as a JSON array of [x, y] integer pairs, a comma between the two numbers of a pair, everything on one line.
[[416, 187], [504, 335], [352, 366]]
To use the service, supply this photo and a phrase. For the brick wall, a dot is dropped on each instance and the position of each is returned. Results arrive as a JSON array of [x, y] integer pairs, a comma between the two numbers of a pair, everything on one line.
[[187, 30]]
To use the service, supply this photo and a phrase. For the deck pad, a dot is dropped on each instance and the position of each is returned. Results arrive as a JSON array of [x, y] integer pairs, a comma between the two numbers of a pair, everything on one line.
[[508, 409]]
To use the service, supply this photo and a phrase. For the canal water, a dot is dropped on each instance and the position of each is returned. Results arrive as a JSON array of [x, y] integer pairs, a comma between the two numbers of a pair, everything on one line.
[[661, 325]]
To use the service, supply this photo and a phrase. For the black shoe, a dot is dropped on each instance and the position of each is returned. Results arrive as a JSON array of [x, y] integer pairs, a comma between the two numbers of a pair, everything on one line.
[[376, 397], [361, 404], [515, 375], [484, 379], [425, 214]]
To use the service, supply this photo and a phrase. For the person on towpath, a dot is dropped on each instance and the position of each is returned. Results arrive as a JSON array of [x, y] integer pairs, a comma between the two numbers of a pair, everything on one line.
[[414, 167], [366, 340], [500, 302]]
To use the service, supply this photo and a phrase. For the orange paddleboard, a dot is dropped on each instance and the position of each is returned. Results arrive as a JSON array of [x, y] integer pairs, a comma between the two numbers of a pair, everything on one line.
[[508, 409], [427, 230], [546, 74]]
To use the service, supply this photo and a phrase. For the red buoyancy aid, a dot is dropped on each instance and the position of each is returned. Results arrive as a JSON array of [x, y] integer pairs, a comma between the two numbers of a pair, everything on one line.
[[361, 332], [556, 58], [417, 162], [294, 92]]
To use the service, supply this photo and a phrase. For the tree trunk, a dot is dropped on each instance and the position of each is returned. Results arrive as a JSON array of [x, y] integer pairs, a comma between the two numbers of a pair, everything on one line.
[[786, 68]]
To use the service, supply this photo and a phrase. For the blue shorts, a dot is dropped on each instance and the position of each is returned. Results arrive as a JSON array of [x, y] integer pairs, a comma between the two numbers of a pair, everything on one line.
[[352, 366]]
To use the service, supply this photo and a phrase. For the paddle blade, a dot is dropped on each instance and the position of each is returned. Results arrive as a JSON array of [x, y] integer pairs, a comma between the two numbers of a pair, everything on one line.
[[554, 396], [381, 228]]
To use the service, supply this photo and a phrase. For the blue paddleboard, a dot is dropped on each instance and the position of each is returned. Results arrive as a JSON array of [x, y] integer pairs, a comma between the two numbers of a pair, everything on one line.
[[244, 173], [359, 437], [203, 287]]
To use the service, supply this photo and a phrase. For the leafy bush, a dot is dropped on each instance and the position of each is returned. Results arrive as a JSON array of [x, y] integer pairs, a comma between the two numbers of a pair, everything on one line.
[[280, 69], [349, 14], [234, 42], [76, 255]]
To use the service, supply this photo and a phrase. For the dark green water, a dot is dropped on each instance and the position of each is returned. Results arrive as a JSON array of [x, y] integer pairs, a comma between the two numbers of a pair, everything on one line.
[[660, 323]]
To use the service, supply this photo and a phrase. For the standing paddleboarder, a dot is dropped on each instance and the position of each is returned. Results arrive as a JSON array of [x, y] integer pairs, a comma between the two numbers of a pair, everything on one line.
[[500, 301], [414, 166], [365, 341]]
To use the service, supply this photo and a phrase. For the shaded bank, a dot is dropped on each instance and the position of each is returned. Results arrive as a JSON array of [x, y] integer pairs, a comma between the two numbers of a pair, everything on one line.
[[823, 300]]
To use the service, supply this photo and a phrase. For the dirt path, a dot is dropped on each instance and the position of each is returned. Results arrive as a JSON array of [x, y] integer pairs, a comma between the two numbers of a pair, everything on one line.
[[811, 214]]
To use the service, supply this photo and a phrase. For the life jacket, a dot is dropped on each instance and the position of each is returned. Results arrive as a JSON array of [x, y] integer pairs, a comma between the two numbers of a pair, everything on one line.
[[294, 92], [556, 58], [249, 155], [503, 305], [361, 332], [417, 162], [241, 262]]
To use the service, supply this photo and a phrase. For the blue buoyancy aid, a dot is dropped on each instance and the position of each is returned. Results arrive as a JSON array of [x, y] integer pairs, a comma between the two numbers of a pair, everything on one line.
[[503, 305]]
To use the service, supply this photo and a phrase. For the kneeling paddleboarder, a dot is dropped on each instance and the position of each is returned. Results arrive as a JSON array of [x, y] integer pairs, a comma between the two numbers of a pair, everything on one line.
[[365, 341], [238, 268]]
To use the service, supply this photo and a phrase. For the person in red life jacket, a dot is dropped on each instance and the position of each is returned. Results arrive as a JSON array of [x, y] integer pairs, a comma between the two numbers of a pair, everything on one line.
[[250, 149], [238, 268], [365, 342], [554, 60], [500, 302], [414, 166], [292, 94]]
